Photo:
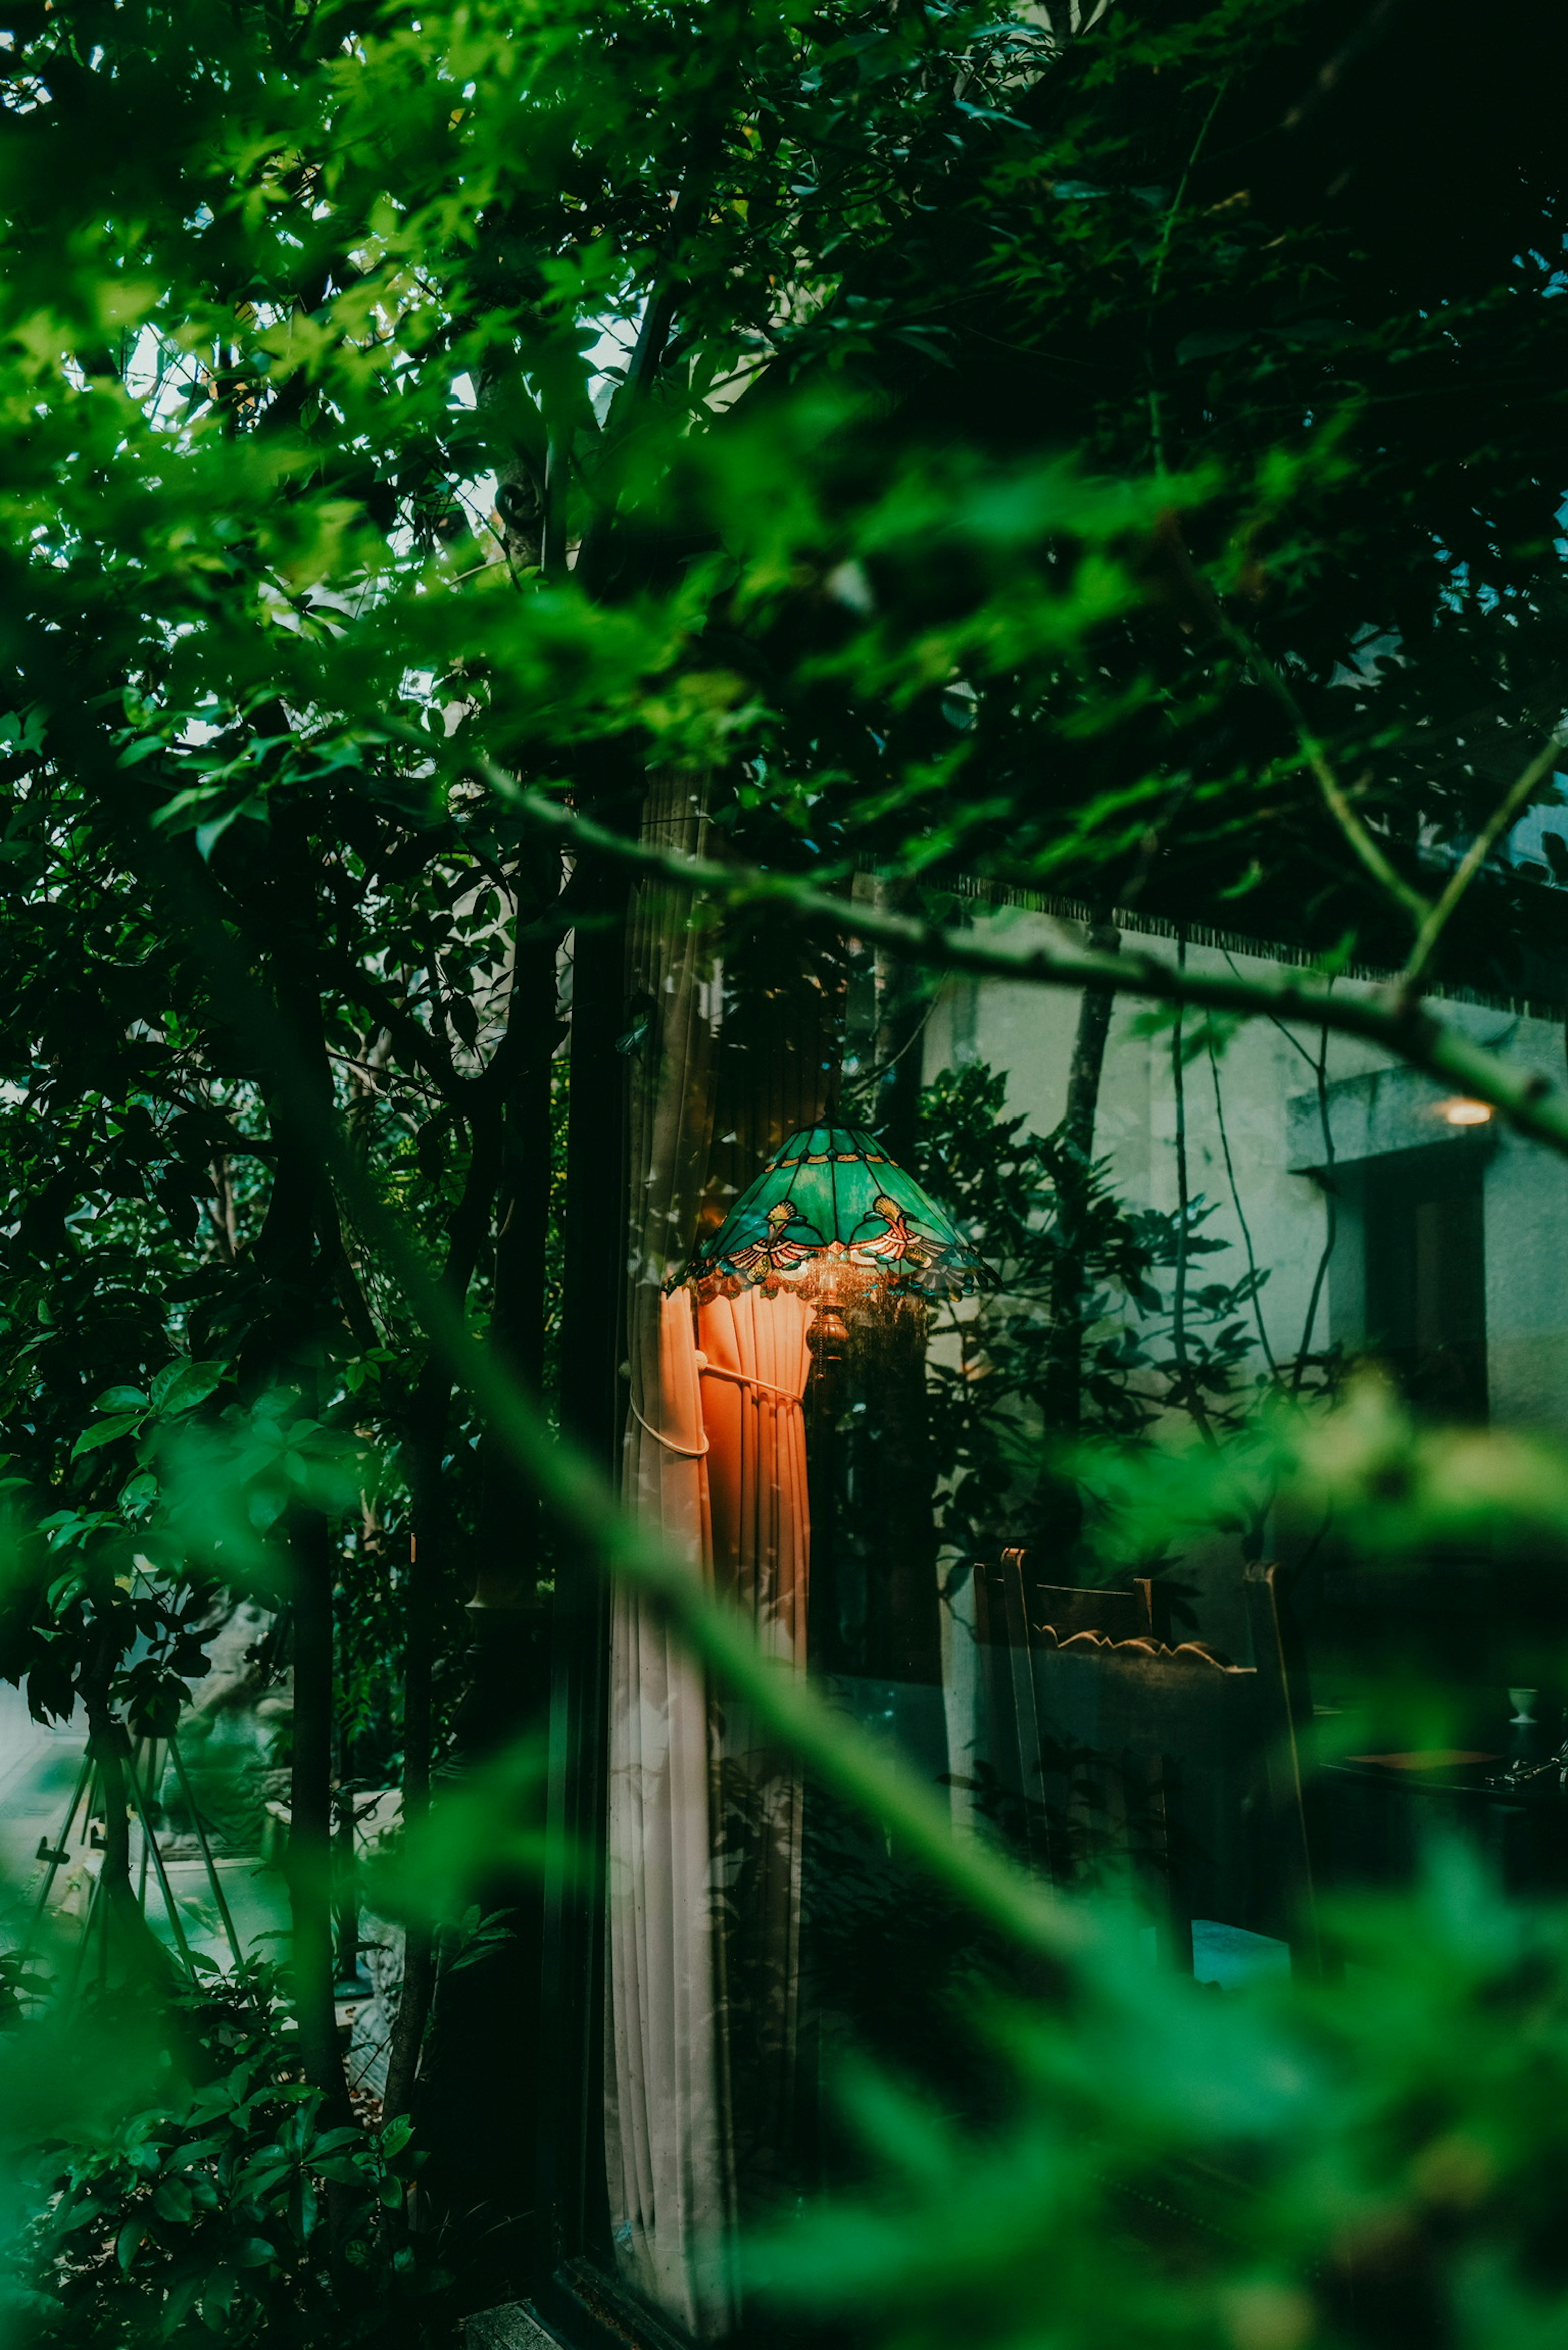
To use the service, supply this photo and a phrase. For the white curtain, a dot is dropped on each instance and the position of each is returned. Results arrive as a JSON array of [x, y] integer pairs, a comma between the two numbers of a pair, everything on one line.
[[664, 2142], [667, 2170]]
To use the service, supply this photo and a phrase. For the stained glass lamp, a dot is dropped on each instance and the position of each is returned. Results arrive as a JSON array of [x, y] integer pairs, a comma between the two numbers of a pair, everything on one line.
[[832, 1218]]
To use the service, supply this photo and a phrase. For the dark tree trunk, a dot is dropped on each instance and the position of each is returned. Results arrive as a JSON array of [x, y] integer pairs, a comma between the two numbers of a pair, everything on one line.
[[110, 1748], [428, 1430], [875, 1611], [507, 1569], [427, 1445], [1064, 1363], [297, 1251], [903, 1002], [572, 2190], [593, 1312], [310, 1815], [477, 2079], [509, 1176]]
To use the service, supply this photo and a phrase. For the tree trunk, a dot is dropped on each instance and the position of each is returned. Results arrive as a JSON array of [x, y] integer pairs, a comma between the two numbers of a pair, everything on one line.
[[110, 1749], [903, 1002], [1064, 1361], [478, 2058], [507, 1567], [427, 1448], [428, 1435], [572, 2173], [297, 1310], [310, 1815]]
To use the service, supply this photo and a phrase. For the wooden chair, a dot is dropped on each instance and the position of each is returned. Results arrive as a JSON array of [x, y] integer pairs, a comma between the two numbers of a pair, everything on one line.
[[1191, 1761], [1014, 1594]]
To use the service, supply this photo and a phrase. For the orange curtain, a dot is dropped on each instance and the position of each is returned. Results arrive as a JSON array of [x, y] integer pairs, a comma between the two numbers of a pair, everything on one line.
[[755, 1362], [704, 1821]]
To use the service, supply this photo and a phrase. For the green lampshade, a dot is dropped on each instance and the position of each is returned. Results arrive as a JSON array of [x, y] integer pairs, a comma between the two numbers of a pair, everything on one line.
[[832, 1212]]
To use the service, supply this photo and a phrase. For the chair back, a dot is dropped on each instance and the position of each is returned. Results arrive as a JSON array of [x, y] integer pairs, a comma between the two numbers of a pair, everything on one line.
[[1012, 1595], [1113, 1742]]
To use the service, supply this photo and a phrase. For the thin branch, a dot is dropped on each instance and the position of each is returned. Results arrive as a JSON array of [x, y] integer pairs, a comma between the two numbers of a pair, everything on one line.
[[1293, 1042], [1408, 1029], [1188, 1388], [1331, 1227], [1335, 797], [418, 1044], [1173, 212], [1178, 1294], [1240, 1211], [1162, 252], [389, 1079], [1475, 856]]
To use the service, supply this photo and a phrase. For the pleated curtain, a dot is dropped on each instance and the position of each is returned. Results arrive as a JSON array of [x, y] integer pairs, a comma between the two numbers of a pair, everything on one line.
[[667, 2172], [704, 1820], [754, 1368]]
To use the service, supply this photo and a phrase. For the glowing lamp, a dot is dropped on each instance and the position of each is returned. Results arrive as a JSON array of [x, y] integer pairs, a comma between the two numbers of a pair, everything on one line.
[[1465, 1113], [832, 1218]]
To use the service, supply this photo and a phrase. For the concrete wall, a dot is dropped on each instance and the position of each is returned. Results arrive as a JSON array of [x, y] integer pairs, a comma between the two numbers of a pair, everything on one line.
[[1267, 1084], [1268, 1087]]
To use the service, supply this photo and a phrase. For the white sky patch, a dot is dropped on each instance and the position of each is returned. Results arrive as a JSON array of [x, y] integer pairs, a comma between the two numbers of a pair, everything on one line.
[[608, 358]]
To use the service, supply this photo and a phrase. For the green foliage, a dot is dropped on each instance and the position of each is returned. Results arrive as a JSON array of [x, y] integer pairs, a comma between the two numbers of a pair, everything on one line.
[[1369, 2161], [400, 409], [1036, 1209], [970, 444], [228, 2211], [487, 1829], [1390, 1483]]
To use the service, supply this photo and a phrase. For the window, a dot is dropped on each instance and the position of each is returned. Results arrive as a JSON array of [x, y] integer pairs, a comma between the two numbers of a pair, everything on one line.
[[1421, 1251]]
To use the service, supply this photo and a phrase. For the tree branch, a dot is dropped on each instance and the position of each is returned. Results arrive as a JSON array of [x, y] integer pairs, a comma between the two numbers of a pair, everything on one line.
[[1475, 856], [417, 1043], [1335, 797], [1390, 1018]]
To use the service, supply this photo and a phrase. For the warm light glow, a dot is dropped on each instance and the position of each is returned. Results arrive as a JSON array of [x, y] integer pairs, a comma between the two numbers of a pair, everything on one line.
[[832, 1218], [1465, 1113]]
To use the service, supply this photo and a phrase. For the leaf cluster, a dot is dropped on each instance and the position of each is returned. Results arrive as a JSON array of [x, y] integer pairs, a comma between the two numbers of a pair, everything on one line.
[[231, 2212]]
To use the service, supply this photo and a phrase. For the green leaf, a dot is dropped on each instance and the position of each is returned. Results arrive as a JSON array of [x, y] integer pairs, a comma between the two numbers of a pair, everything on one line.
[[106, 1431], [172, 2200], [147, 748], [265, 1504], [180, 1387], [303, 2206], [217, 2300], [1212, 344], [340, 2168]]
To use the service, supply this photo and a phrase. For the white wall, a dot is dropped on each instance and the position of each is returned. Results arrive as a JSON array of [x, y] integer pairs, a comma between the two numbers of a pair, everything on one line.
[[1028, 1032]]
